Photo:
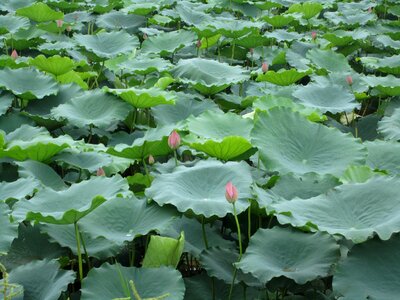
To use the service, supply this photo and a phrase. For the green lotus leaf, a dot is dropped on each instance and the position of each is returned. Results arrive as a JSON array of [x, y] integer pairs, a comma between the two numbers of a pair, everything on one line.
[[48, 283], [9, 229], [234, 28], [69, 206], [93, 108], [27, 83], [116, 20], [166, 43], [287, 142], [143, 98], [74, 77], [384, 156], [141, 8], [224, 136], [208, 76], [388, 85], [55, 65], [112, 282], [307, 9], [56, 47], [185, 106], [349, 17], [34, 170], [389, 126], [339, 37], [278, 21], [283, 35], [305, 258], [332, 98], [30, 246], [40, 12], [389, 65], [339, 78], [329, 60], [144, 65], [201, 188], [90, 161], [194, 242], [64, 235], [164, 251], [387, 42], [356, 211], [18, 189], [12, 24], [5, 103], [357, 174], [370, 271], [121, 220], [108, 44], [283, 77]]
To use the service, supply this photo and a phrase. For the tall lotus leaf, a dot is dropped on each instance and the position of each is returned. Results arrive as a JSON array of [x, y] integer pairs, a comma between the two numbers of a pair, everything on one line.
[[144, 65], [370, 271], [332, 98], [208, 76], [18, 189], [116, 20], [55, 65], [388, 85], [384, 156], [69, 206], [305, 258], [287, 142], [278, 21], [225, 136], [93, 108], [47, 283], [121, 220], [168, 42], [282, 77], [143, 98], [232, 28], [12, 24], [284, 35], [141, 8], [329, 60], [356, 211], [40, 12], [307, 9], [5, 102], [389, 126], [112, 282], [108, 44], [386, 64], [201, 188], [27, 83], [90, 161], [8, 229]]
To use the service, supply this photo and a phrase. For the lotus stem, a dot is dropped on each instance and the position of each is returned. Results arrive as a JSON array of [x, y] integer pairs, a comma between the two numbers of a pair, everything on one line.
[[233, 51], [84, 249], [134, 290], [146, 170], [203, 230], [176, 158], [78, 249], [240, 250], [249, 222]]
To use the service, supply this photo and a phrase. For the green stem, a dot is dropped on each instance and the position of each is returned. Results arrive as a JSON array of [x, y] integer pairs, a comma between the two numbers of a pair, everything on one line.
[[240, 250], [84, 249], [146, 170], [134, 290], [249, 222], [176, 158], [78, 249], [203, 230], [233, 51]]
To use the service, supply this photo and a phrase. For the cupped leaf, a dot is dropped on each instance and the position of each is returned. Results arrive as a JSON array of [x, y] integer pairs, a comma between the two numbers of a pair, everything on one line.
[[40, 12], [282, 77], [144, 65], [306, 257], [208, 76], [389, 126], [69, 206], [27, 83], [93, 108], [287, 142], [56, 65], [8, 229], [329, 60], [90, 161], [10, 23], [307, 9], [113, 282], [370, 271], [116, 20], [17, 189], [108, 44], [355, 211], [201, 188], [384, 156], [168, 42]]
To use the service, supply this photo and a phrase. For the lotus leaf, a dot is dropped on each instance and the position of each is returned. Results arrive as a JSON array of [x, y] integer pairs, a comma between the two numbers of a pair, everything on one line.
[[40, 12], [384, 156], [389, 126], [283, 77], [168, 42], [9, 230], [18, 189], [55, 65], [119, 20], [329, 60], [12, 24], [90, 161]]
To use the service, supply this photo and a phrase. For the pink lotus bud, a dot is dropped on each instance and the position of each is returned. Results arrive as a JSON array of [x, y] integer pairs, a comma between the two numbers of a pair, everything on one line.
[[264, 67], [231, 192], [313, 35], [198, 43], [145, 36], [59, 23], [349, 80], [69, 28], [14, 54], [151, 159], [100, 172], [174, 140], [251, 50]]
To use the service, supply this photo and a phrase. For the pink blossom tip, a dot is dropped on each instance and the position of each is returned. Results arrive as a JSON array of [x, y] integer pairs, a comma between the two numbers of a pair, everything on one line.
[[231, 192]]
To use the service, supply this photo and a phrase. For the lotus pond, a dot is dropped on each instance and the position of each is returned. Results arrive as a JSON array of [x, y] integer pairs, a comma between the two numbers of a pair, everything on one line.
[[220, 149]]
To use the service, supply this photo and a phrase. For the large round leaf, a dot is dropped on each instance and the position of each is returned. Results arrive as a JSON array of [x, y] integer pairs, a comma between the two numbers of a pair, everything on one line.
[[390, 126], [93, 108], [371, 271], [287, 142], [90, 161], [8, 229], [18, 189], [27, 83], [144, 65], [116, 20], [304, 258], [112, 282], [208, 76], [201, 188], [168, 42], [329, 60], [283, 77], [332, 98], [108, 44], [68, 206], [56, 65], [384, 156], [356, 211], [40, 12], [12, 24]]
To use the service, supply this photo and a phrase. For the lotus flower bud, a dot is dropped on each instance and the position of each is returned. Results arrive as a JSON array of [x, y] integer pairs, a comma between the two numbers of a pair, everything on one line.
[[151, 159], [14, 54], [349, 80], [251, 50], [174, 140], [198, 43], [264, 67], [100, 172], [314, 35], [145, 36], [69, 28], [231, 192], [59, 23]]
